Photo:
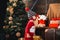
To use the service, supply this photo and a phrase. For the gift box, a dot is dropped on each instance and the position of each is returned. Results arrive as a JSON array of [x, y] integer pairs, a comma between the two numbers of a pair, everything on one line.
[[55, 19], [53, 25], [53, 11], [41, 21]]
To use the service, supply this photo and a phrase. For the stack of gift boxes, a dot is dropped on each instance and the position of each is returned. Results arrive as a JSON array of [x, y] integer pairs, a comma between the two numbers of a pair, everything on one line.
[[54, 23]]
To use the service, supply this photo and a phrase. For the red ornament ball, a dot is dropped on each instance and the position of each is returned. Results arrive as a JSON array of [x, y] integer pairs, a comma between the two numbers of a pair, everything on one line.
[[27, 9]]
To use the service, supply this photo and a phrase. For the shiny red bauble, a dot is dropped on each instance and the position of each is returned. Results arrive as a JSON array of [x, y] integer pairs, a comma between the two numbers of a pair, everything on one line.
[[27, 9]]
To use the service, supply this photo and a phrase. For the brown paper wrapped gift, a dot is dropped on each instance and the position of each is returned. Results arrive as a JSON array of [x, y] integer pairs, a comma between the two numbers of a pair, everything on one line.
[[54, 11]]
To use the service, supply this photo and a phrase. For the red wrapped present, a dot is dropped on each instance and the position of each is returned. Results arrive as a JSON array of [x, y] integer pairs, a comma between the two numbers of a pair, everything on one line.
[[55, 19], [53, 25], [41, 21]]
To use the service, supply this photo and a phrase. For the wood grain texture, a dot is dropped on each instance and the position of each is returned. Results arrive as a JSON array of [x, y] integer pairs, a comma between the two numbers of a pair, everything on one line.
[[54, 11]]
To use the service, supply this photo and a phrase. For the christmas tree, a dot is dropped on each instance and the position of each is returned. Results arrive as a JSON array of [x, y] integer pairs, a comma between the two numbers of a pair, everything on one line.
[[16, 18]]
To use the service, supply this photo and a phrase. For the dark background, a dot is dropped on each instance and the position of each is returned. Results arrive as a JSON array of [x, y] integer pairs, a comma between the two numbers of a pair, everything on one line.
[[3, 5]]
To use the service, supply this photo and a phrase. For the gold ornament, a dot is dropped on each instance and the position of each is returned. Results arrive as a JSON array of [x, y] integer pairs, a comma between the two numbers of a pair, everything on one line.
[[10, 18], [20, 38], [10, 1], [15, 0], [10, 22], [7, 9], [25, 2], [4, 27], [14, 4], [13, 26], [18, 34], [11, 10]]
